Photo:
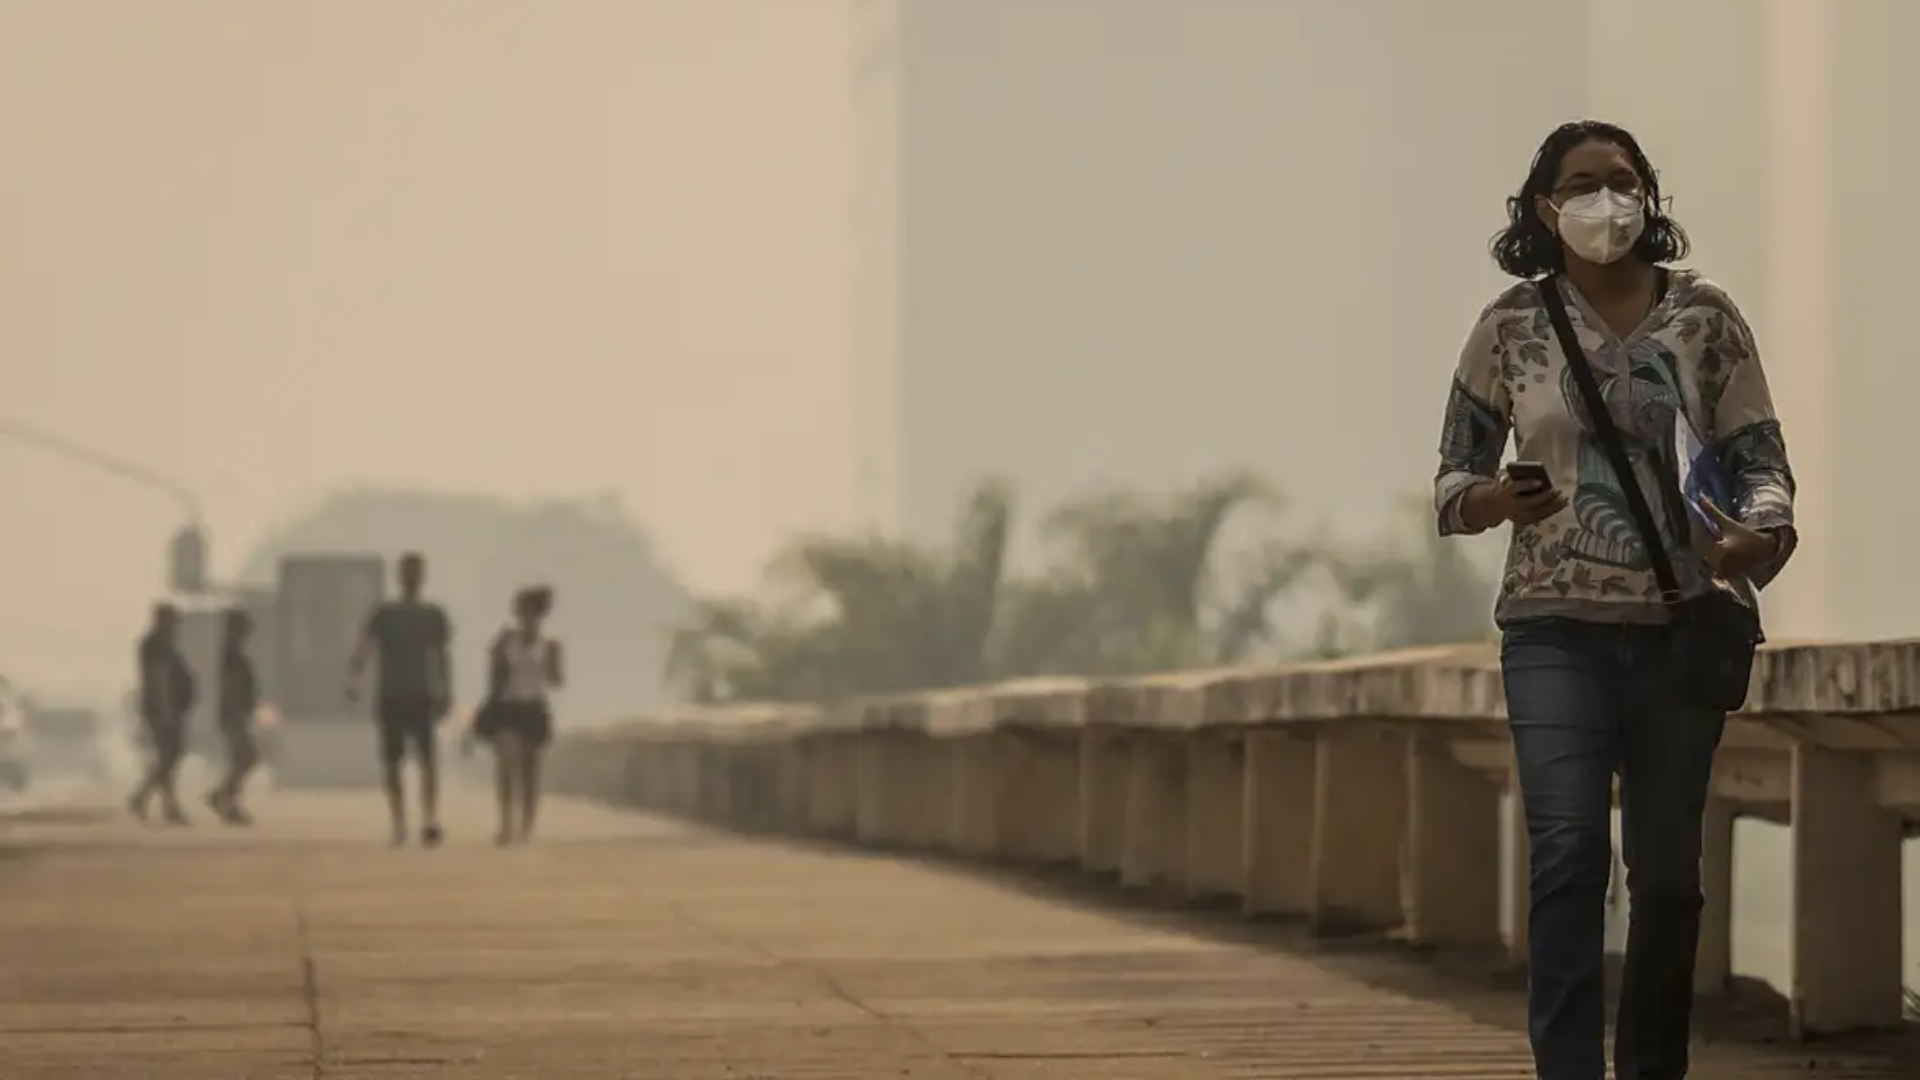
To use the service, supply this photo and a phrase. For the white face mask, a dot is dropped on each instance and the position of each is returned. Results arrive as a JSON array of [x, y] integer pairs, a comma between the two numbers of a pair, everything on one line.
[[1603, 226]]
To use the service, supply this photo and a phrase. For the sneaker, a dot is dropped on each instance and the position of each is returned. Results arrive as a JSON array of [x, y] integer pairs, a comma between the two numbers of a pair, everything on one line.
[[137, 806], [399, 838], [175, 816], [431, 836]]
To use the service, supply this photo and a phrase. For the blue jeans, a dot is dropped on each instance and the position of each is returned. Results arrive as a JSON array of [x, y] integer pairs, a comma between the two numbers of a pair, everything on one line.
[[1587, 701]]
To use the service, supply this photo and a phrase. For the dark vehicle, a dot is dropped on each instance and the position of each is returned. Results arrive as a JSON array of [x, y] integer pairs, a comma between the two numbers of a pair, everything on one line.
[[320, 609]]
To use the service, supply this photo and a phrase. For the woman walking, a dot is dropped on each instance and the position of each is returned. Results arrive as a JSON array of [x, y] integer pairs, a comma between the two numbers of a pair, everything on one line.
[[166, 697], [239, 701], [516, 720], [1627, 607]]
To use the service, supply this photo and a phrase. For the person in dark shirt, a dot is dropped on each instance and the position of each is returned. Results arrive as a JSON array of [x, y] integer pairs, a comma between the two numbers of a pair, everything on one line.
[[239, 699], [411, 638], [166, 697]]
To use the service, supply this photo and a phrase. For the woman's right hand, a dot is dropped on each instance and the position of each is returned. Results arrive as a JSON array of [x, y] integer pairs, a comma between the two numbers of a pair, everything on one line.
[[1505, 499]]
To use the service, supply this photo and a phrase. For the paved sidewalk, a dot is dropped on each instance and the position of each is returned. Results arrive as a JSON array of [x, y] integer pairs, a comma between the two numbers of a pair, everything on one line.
[[626, 947]]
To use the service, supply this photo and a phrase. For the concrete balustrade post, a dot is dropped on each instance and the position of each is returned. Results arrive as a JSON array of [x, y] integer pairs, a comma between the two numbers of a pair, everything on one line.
[[683, 783], [832, 784], [928, 772], [1277, 799], [1216, 810], [713, 796], [614, 759], [1713, 960], [973, 828], [1846, 953], [1106, 766], [1452, 872], [1152, 849], [894, 806], [728, 800], [1518, 879], [703, 787], [872, 822], [1036, 796], [1360, 824], [645, 776], [790, 784], [755, 785]]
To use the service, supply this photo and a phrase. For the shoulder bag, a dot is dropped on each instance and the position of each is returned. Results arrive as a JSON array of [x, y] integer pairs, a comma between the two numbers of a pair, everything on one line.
[[487, 718]]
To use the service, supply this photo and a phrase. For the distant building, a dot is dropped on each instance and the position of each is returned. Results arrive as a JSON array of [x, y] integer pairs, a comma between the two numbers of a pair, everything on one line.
[[1140, 241]]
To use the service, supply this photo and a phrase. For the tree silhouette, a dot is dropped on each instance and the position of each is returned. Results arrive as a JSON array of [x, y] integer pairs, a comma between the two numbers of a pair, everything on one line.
[[1135, 586], [855, 615], [1403, 593]]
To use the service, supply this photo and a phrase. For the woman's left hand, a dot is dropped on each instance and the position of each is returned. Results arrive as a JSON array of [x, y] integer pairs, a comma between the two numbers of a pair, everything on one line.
[[1739, 550]]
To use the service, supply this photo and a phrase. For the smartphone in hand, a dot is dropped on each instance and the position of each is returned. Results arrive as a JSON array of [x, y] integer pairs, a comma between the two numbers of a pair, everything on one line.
[[1529, 476]]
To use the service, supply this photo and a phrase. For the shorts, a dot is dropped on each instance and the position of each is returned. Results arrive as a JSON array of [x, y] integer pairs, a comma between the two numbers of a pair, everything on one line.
[[408, 722], [528, 721]]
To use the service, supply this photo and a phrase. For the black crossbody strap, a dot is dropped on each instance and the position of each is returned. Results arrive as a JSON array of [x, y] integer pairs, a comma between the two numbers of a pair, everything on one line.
[[497, 670], [1609, 435]]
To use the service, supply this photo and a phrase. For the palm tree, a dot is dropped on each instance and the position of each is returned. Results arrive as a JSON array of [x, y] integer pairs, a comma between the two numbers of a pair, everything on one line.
[[1403, 594], [859, 615], [717, 649], [1138, 587]]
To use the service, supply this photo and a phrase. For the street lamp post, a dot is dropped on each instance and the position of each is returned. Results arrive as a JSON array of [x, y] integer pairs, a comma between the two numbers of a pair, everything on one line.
[[187, 553]]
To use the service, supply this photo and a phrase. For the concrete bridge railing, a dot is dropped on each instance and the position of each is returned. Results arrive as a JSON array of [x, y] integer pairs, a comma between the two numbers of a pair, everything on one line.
[[1362, 794]]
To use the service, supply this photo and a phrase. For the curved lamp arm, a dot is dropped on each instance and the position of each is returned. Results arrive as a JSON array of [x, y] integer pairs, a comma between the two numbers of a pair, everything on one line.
[[103, 462]]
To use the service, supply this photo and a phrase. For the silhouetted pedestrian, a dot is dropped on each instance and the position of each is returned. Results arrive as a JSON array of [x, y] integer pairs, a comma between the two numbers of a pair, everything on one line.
[[411, 638], [524, 666], [166, 697], [239, 701], [1627, 615]]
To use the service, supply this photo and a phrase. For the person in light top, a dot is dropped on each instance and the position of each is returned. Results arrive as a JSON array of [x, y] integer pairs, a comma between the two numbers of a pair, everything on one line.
[[1603, 663], [524, 667]]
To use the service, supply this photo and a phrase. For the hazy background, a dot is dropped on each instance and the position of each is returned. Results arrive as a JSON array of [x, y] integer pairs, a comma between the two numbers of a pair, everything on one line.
[[743, 267], [488, 245], [731, 269]]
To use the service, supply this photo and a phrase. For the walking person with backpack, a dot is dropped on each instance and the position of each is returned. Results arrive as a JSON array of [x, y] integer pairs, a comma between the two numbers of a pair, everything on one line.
[[523, 666]]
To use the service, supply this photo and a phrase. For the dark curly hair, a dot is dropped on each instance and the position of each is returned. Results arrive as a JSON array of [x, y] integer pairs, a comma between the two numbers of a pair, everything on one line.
[[1527, 249], [534, 599]]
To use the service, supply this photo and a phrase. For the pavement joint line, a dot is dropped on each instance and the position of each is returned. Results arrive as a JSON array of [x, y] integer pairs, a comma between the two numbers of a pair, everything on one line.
[[309, 971], [825, 979], [158, 1028]]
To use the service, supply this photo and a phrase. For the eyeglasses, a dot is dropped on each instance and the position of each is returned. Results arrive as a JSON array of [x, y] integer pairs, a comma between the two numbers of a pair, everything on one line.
[[1620, 183]]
